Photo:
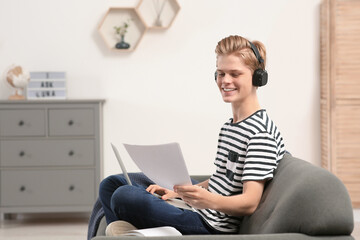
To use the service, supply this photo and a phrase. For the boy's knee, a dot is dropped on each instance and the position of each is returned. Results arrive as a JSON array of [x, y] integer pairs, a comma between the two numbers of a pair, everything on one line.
[[105, 185], [123, 194], [127, 197], [111, 183]]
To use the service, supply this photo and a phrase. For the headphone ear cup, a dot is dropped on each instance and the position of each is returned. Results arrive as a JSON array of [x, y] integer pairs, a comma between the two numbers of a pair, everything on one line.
[[260, 77]]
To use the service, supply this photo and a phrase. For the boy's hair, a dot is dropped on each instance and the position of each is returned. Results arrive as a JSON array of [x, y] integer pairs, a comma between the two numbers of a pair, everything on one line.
[[241, 47]]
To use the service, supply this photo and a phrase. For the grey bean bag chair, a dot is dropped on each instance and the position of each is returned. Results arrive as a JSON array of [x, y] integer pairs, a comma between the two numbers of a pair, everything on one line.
[[302, 201]]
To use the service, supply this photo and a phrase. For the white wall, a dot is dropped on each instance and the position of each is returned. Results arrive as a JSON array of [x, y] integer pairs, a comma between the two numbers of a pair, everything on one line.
[[164, 91]]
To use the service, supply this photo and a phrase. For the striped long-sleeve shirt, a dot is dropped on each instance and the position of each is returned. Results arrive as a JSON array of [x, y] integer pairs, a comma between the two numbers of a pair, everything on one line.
[[247, 151]]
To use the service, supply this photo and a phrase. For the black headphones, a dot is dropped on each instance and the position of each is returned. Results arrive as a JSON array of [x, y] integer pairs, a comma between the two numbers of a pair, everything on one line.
[[260, 76]]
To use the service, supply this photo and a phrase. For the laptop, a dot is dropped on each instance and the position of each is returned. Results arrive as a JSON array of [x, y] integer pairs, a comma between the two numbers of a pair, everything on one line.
[[179, 203], [122, 166]]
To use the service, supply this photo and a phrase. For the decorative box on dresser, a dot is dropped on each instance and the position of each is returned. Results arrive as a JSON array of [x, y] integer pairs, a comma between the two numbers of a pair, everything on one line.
[[50, 155], [340, 92]]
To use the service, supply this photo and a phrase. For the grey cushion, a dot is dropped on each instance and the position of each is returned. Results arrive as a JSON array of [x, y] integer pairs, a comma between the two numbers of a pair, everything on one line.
[[302, 198], [279, 236]]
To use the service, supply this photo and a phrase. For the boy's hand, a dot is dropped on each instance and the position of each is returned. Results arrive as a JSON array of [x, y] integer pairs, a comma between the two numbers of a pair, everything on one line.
[[163, 192], [195, 196]]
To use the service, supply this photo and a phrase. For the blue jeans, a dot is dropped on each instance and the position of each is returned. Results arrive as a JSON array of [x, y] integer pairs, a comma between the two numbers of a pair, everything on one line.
[[140, 208]]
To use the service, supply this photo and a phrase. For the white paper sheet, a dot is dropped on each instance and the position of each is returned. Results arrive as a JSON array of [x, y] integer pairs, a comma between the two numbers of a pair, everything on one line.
[[154, 232], [164, 164]]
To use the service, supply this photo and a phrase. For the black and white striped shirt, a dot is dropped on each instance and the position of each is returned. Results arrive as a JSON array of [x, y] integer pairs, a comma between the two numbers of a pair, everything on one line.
[[247, 151]]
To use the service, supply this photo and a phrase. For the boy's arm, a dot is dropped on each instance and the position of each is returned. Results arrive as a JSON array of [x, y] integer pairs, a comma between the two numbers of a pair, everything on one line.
[[242, 204], [237, 205]]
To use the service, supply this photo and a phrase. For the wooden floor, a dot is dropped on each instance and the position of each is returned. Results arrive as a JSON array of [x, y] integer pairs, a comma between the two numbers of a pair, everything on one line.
[[45, 227], [68, 227]]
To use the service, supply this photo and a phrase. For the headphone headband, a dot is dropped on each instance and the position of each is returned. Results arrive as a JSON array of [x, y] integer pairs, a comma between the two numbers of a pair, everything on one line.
[[256, 52]]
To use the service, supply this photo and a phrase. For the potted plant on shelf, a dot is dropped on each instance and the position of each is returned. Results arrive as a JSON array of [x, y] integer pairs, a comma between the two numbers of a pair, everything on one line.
[[120, 31]]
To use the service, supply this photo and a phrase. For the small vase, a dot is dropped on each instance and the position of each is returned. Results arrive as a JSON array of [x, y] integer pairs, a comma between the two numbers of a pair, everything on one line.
[[122, 44], [158, 22]]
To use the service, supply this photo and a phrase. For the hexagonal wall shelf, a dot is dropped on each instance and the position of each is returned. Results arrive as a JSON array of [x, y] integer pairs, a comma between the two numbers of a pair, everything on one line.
[[117, 16], [158, 14]]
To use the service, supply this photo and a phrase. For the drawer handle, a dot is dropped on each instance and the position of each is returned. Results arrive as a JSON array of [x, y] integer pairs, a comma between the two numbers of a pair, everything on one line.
[[22, 153], [71, 122], [22, 188], [21, 123], [71, 153], [71, 188]]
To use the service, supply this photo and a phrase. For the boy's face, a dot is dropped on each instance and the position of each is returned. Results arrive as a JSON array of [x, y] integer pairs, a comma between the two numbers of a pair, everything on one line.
[[234, 79]]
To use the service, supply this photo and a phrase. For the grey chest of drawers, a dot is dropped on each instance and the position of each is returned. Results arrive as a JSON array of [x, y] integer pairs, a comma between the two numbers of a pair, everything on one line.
[[50, 155]]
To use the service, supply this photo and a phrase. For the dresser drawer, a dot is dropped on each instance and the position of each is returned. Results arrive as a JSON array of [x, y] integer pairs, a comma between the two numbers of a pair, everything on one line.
[[46, 188], [71, 122], [21, 122], [27, 153]]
